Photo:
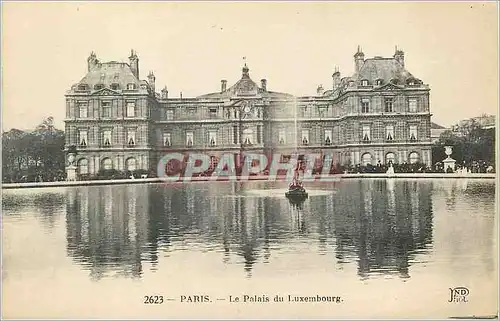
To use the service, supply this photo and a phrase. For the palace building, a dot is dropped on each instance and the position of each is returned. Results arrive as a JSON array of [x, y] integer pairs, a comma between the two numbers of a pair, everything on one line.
[[379, 114]]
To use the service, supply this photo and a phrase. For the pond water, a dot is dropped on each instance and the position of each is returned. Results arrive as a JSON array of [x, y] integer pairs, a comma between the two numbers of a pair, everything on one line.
[[387, 248]]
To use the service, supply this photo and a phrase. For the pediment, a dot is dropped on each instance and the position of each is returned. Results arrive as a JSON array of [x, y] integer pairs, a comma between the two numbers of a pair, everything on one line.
[[389, 86], [106, 92]]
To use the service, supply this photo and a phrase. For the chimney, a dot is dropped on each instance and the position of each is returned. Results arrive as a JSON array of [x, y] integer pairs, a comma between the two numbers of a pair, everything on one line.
[[399, 55], [359, 59], [92, 61], [223, 85], [164, 93], [336, 78], [320, 90], [151, 80], [134, 63], [263, 84]]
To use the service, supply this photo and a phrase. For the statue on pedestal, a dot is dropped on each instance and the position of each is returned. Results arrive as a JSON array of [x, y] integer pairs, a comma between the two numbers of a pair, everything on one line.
[[71, 167], [449, 163]]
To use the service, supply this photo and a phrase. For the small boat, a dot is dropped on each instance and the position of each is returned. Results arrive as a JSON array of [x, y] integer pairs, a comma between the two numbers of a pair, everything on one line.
[[296, 190]]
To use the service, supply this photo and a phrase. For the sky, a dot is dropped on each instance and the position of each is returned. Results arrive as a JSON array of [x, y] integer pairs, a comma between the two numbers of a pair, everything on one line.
[[191, 46]]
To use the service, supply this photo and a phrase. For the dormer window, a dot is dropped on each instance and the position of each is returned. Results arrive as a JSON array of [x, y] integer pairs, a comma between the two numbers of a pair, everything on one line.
[[364, 82], [395, 81], [98, 87], [130, 86], [82, 87], [379, 82], [115, 86]]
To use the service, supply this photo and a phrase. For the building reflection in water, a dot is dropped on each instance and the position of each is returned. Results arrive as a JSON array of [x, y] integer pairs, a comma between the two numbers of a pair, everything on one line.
[[380, 225], [385, 223]]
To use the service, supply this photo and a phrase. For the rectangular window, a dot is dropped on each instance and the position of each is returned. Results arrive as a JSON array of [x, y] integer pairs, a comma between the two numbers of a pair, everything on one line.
[[248, 137], [412, 105], [170, 114], [235, 134], [83, 110], [212, 138], [389, 132], [305, 137], [328, 136], [106, 109], [388, 105], [212, 112], [189, 139], [130, 109], [365, 106], [166, 139], [131, 137], [106, 137], [366, 133], [82, 138], [259, 134], [413, 132], [282, 137]]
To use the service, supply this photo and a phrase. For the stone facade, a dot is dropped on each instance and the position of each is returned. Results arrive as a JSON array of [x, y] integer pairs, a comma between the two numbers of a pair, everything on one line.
[[379, 114]]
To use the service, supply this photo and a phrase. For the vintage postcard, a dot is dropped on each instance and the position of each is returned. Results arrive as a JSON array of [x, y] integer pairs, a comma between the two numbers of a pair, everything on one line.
[[194, 160]]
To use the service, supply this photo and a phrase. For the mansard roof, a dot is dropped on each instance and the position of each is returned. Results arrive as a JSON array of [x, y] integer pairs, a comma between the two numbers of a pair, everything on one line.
[[385, 69], [378, 71], [109, 73]]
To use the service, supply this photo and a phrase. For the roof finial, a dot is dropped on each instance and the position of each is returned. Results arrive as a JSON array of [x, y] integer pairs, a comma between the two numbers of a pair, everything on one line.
[[245, 68], [359, 48]]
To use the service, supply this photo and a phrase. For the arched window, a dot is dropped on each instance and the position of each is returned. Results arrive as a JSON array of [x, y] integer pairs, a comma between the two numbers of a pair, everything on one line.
[[107, 164], [414, 157], [131, 164], [83, 166], [390, 158], [366, 159], [364, 82], [379, 82]]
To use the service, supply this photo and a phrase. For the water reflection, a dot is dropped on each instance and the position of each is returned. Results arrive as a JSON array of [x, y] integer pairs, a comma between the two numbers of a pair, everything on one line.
[[380, 225]]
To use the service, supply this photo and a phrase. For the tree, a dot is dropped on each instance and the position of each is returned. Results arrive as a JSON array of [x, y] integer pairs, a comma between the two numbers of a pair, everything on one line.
[[470, 143], [39, 153]]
